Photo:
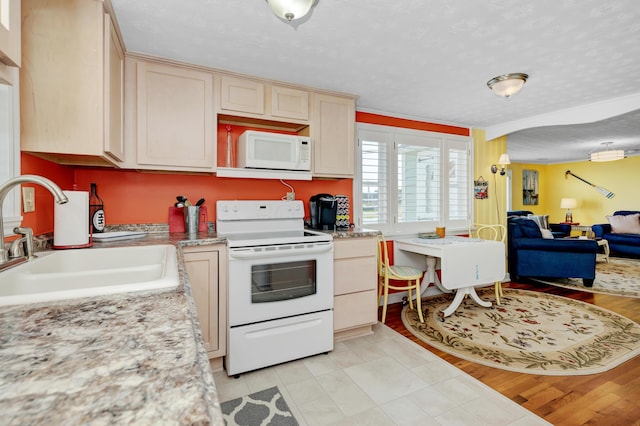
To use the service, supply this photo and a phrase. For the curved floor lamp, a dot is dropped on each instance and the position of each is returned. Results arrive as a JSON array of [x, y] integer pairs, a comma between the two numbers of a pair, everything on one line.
[[601, 190]]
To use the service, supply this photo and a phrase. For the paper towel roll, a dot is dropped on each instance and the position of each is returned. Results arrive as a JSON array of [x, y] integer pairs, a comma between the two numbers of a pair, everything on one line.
[[71, 221]]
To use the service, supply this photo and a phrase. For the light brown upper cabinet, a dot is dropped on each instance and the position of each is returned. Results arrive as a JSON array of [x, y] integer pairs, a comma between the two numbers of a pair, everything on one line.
[[175, 123], [333, 136], [289, 103], [245, 97], [71, 83]]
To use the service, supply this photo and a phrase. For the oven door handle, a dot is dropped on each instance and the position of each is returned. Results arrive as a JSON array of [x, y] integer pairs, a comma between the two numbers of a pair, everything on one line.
[[251, 253]]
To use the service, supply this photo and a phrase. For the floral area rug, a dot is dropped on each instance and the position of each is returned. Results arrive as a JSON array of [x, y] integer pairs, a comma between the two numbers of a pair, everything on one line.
[[530, 332], [619, 276]]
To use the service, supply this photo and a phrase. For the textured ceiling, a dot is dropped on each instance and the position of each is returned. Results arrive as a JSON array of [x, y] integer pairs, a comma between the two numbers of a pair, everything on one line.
[[423, 59]]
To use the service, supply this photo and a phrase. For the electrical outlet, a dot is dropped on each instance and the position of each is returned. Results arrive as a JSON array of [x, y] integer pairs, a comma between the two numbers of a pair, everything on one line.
[[28, 199], [291, 196]]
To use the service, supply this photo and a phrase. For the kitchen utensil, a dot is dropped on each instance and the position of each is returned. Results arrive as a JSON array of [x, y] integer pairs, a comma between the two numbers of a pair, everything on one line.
[[191, 218], [200, 202]]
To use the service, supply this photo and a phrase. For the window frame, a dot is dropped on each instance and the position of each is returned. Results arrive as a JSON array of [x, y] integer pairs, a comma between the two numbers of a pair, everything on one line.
[[389, 135], [10, 143]]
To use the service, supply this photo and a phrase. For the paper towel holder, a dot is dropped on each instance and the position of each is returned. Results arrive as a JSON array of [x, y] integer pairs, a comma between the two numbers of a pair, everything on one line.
[[71, 222]]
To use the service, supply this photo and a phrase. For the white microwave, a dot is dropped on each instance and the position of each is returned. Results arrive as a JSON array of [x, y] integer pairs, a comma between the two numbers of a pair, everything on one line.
[[264, 150]]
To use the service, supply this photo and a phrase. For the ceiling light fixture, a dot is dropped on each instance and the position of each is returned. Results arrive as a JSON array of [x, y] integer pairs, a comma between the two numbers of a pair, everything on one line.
[[507, 84], [609, 154], [290, 10]]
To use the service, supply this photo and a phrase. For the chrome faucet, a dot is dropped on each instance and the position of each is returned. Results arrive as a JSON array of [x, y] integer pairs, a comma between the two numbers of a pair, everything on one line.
[[6, 187]]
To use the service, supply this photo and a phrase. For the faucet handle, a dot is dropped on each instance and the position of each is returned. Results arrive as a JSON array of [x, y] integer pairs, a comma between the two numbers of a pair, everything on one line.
[[27, 234]]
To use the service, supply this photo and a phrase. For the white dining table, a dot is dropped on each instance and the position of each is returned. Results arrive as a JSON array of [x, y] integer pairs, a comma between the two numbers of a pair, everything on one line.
[[465, 263]]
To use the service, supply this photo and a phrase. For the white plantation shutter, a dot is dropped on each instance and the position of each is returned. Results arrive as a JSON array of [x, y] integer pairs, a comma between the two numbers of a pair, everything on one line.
[[418, 178], [374, 178], [412, 181], [458, 184]]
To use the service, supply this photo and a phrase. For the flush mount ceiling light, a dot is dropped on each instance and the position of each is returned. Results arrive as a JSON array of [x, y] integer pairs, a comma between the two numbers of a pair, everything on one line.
[[507, 84], [290, 10], [609, 154]]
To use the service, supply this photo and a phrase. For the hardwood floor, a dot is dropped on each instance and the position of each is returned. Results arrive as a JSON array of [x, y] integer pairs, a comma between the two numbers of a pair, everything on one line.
[[609, 398]]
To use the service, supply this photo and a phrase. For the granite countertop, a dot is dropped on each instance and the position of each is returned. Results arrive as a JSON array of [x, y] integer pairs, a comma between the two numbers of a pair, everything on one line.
[[122, 359], [352, 233], [132, 358]]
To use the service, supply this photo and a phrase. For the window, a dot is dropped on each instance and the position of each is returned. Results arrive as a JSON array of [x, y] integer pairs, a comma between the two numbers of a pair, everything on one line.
[[412, 181], [10, 151]]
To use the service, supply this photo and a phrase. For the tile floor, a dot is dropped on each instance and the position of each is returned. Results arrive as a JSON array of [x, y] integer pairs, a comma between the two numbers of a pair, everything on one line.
[[381, 379]]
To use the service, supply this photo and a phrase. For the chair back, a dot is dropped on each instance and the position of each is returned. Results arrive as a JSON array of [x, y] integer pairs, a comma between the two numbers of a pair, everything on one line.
[[487, 232], [383, 255]]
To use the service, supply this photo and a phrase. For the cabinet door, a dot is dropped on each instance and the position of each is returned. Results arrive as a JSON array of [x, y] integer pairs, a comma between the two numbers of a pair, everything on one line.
[[113, 91], [289, 103], [175, 117], [207, 277], [242, 95], [333, 136], [62, 81]]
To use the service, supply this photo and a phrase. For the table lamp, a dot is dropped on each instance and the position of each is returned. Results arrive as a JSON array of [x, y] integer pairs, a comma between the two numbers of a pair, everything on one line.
[[568, 203]]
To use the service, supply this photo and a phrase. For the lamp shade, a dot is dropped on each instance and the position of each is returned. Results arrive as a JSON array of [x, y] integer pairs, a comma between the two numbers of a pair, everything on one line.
[[609, 155], [568, 203], [504, 159], [507, 84], [290, 9]]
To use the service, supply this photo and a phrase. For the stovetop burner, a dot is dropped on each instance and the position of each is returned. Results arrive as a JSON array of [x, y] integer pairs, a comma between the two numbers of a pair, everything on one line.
[[247, 223]]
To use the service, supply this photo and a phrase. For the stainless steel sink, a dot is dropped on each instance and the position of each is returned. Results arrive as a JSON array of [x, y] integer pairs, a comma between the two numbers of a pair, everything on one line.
[[72, 274]]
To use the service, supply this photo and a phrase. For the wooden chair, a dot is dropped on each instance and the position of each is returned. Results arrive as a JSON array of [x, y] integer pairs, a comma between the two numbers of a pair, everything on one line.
[[386, 272], [490, 232]]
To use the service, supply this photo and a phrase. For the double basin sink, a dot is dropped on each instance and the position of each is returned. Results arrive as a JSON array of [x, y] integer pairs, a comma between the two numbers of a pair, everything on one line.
[[71, 274]]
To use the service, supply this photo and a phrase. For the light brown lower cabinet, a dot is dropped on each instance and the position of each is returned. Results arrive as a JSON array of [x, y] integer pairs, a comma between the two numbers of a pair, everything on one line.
[[206, 267], [355, 308]]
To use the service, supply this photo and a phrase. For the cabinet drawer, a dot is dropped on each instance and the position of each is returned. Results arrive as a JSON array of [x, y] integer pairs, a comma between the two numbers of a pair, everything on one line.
[[352, 275], [355, 310], [354, 247]]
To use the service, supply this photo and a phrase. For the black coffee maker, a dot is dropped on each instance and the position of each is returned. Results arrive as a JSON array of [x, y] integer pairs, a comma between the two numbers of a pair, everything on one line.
[[323, 208]]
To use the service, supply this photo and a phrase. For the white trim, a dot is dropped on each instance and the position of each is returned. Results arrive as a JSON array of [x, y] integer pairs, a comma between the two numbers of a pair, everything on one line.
[[10, 139], [577, 115]]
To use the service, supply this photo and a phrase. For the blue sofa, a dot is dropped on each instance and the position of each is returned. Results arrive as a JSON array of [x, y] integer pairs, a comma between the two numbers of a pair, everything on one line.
[[626, 245], [530, 255], [559, 230]]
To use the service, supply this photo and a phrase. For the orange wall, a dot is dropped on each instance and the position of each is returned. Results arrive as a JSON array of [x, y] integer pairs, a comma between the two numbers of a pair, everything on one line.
[[383, 120], [133, 197], [140, 197], [41, 220]]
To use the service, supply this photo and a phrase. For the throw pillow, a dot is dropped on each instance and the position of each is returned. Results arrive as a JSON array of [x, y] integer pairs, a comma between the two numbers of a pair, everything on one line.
[[546, 233], [625, 224], [541, 220]]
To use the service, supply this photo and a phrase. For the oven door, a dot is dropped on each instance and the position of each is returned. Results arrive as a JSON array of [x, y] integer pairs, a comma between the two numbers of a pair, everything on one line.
[[270, 282]]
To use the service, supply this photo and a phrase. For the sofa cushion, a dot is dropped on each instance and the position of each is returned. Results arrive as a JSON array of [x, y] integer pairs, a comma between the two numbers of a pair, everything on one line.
[[546, 233], [625, 224], [541, 220]]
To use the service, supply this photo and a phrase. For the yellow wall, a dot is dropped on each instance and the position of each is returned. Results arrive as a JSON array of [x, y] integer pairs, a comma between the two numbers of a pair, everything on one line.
[[492, 209], [620, 177]]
